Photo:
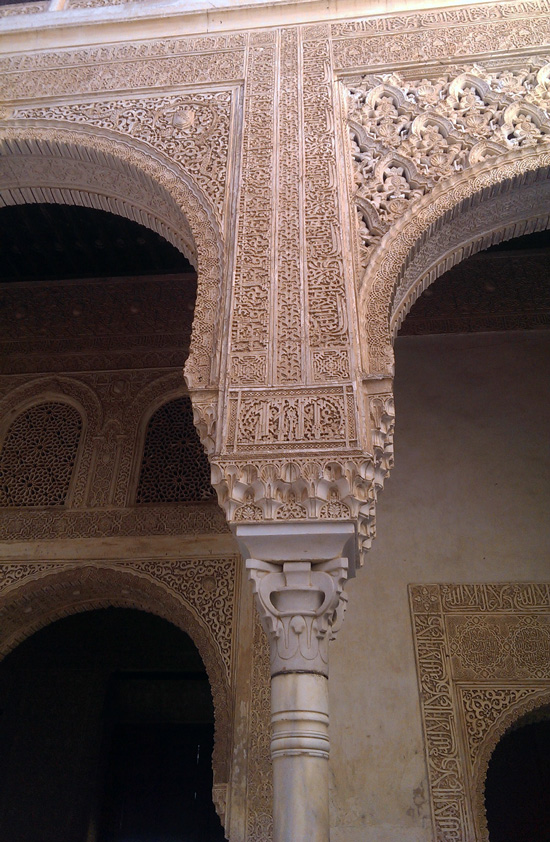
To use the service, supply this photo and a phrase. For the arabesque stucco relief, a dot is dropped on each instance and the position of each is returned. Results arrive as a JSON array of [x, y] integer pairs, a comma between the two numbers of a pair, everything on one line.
[[309, 247], [287, 256]]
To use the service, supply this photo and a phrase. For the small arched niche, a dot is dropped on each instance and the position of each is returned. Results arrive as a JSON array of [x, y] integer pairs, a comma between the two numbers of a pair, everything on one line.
[[106, 733], [517, 786]]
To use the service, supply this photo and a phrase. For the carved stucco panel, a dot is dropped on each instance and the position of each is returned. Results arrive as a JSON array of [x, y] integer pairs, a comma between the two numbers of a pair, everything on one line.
[[407, 137], [438, 34], [190, 129], [483, 659], [289, 328], [327, 303], [96, 70], [259, 822], [116, 406], [250, 344]]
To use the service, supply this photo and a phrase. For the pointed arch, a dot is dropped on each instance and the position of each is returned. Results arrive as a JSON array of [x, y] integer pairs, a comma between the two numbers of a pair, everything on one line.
[[537, 699]]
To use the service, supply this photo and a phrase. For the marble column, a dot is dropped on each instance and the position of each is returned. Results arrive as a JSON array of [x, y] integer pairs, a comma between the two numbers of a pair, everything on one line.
[[301, 602]]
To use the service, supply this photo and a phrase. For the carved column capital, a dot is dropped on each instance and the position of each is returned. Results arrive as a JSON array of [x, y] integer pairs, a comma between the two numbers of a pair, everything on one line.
[[301, 606]]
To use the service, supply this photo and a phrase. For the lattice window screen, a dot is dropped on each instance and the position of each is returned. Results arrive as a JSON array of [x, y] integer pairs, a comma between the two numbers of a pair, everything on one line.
[[38, 456], [174, 467]]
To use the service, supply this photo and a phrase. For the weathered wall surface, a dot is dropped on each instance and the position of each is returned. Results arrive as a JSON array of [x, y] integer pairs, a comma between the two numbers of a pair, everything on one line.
[[467, 502]]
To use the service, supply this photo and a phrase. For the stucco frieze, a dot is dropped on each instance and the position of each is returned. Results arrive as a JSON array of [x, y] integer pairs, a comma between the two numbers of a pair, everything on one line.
[[91, 72], [440, 34], [24, 9]]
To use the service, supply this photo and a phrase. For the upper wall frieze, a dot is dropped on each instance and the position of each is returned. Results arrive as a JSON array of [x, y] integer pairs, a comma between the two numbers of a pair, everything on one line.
[[439, 43], [121, 67], [436, 18]]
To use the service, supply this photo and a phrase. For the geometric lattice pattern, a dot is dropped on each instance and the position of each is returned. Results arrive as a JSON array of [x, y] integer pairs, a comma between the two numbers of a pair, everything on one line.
[[174, 468], [38, 456]]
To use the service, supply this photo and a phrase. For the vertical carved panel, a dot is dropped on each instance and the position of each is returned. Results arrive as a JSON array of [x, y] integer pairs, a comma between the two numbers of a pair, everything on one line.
[[289, 331], [254, 248], [327, 304], [105, 465], [260, 787]]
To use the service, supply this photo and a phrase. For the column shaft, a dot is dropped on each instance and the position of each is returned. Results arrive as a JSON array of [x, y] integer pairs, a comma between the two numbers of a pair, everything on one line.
[[300, 750]]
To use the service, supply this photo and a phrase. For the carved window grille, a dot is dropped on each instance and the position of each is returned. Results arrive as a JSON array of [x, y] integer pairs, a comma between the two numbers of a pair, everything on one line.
[[174, 468], [38, 456]]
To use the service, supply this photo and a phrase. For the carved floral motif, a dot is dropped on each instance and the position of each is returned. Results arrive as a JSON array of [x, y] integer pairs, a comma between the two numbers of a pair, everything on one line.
[[301, 605], [190, 129], [408, 136]]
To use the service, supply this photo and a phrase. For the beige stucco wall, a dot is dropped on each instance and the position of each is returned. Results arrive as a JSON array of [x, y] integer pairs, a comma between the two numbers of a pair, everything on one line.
[[466, 502]]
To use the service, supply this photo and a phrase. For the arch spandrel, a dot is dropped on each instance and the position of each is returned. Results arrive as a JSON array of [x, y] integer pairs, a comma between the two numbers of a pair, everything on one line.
[[35, 595]]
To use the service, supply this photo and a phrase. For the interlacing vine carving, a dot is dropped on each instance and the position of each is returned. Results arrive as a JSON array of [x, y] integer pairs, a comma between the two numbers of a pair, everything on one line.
[[407, 136]]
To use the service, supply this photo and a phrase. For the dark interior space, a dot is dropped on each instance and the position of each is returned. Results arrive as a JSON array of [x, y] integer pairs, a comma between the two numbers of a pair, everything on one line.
[[106, 734], [503, 288], [92, 286], [517, 789], [58, 242]]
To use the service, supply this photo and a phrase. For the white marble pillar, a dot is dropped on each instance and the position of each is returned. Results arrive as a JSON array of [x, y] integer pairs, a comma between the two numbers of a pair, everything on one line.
[[301, 604]]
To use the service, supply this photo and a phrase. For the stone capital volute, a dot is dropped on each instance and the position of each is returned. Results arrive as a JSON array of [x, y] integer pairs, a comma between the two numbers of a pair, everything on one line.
[[301, 606]]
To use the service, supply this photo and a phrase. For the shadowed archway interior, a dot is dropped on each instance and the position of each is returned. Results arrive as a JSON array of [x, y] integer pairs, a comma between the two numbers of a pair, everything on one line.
[[517, 787], [106, 733], [57, 242]]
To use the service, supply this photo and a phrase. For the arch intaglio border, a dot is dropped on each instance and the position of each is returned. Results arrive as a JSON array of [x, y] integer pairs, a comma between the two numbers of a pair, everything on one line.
[[47, 161], [536, 699], [508, 176], [35, 595]]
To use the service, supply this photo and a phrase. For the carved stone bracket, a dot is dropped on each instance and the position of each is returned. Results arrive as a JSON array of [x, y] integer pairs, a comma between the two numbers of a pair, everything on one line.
[[301, 606]]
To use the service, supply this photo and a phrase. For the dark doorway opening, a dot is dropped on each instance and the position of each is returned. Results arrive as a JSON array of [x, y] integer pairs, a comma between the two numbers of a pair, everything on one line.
[[158, 785], [106, 734], [517, 789]]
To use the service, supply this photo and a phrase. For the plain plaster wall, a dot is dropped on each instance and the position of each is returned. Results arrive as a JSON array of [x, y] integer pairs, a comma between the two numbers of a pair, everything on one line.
[[466, 501]]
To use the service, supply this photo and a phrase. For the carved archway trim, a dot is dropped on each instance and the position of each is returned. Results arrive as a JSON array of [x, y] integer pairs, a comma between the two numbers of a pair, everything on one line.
[[479, 185], [454, 243], [110, 172], [536, 699], [37, 594]]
